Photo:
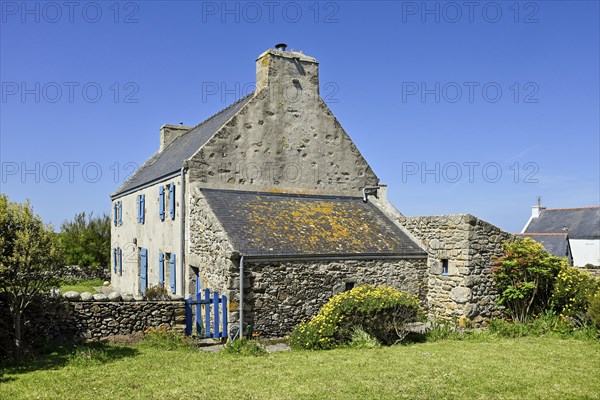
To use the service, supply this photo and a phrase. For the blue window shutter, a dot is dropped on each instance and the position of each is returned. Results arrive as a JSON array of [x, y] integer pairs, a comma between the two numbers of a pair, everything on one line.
[[120, 261], [161, 202], [120, 213], [139, 202], [143, 270], [172, 272], [114, 259], [115, 213], [161, 269], [142, 211], [172, 200]]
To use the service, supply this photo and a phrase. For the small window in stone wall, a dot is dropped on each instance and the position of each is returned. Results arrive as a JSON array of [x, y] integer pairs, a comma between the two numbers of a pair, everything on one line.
[[444, 266], [349, 286]]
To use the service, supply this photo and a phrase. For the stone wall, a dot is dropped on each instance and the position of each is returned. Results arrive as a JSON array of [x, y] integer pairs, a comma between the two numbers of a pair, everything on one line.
[[56, 318], [280, 295], [469, 244]]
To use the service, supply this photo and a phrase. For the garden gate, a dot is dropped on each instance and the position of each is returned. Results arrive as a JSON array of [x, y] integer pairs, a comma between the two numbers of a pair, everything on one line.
[[208, 315]]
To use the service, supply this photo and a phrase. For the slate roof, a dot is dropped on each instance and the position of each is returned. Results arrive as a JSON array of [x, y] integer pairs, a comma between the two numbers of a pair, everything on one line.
[[273, 224], [582, 223], [171, 159], [555, 243]]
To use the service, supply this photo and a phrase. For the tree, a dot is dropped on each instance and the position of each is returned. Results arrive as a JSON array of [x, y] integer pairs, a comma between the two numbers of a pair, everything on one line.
[[86, 240], [29, 257], [524, 276]]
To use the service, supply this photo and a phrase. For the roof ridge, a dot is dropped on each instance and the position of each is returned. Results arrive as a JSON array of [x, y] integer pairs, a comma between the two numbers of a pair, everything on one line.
[[541, 234], [211, 117], [571, 208], [221, 112]]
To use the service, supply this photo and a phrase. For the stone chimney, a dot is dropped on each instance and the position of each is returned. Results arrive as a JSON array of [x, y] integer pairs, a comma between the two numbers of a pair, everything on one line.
[[168, 133], [537, 209], [287, 73]]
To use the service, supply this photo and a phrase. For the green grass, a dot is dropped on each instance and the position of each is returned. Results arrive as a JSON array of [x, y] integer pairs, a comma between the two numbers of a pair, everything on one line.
[[524, 368], [81, 286]]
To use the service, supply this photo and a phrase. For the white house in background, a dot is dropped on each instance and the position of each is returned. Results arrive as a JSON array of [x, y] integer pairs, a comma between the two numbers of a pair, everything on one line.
[[580, 227]]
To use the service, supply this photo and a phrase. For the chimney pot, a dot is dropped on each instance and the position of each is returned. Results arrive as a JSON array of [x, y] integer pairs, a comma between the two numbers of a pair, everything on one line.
[[281, 46]]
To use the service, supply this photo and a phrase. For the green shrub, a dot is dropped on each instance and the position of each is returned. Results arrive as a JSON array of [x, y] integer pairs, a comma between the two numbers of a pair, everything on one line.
[[572, 292], [547, 323], [165, 339], [157, 292], [245, 347], [594, 309], [524, 277], [382, 312], [362, 340]]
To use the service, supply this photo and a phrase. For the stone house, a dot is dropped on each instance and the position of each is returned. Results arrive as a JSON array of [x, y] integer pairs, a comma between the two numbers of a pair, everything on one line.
[[567, 232], [273, 190]]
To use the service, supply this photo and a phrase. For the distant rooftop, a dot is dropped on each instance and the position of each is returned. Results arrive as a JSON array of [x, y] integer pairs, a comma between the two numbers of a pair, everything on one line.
[[579, 223]]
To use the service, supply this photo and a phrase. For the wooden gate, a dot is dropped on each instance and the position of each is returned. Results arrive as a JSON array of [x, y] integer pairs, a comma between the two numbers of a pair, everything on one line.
[[206, 316]]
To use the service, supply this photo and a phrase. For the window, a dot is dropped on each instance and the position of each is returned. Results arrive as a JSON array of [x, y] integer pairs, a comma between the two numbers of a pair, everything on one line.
[[120, 254], [349, 286], [172, 265], [172, 200], [161, 269], [161, 202], [143, 270], [444, 266], [141, 200], [115, 260], [118, 213]]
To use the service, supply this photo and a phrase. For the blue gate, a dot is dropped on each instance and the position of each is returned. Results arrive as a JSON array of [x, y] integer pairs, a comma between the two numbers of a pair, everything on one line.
[[206, 316]]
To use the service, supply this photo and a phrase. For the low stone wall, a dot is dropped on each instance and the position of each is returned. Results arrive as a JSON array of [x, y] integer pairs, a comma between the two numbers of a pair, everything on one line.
[[75, 272], [55, 318], [101, 319]]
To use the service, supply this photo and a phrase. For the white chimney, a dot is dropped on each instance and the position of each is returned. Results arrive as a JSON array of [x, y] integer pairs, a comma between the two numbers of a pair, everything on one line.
[[536, 210]]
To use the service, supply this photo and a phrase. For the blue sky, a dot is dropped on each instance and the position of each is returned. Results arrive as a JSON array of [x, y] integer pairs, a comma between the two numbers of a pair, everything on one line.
[[459, 109]]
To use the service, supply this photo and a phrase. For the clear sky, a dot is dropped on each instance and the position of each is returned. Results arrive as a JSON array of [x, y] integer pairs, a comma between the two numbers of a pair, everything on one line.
[[460, 107]]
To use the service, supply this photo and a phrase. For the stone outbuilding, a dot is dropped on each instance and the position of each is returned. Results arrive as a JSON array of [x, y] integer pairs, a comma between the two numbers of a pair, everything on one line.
[[273, 188]]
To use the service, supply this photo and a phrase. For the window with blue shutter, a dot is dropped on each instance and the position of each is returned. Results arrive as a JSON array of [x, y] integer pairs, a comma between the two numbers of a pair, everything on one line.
[[172, 200], [120, 213], [143, 270], [115, 212], [140, 202], [172, 272], [161, 202], [114, 259], [120, 261], [161, 269]]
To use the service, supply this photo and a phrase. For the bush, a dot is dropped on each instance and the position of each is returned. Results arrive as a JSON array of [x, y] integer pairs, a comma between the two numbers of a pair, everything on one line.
[[524, 277], [546, 324], [382, 312], [245, 347], [165, 339], [594, 309], [362, 340], [157, 292], [572, 293], [86, 241]]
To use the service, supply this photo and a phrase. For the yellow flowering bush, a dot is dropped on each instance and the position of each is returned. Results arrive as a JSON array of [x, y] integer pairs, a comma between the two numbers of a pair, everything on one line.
[[573, 289], [380, 311], [594, 309]]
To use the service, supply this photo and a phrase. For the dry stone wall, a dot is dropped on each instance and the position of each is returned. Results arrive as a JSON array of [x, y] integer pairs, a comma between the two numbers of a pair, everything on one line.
[[469, 246], [281, 295]]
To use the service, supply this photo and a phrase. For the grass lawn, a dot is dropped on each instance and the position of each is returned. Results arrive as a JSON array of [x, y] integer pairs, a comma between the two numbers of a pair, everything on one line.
[[82, 286], [526, 368]]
